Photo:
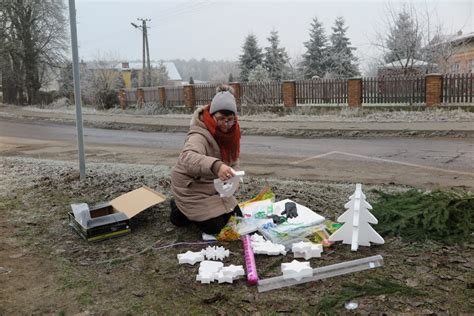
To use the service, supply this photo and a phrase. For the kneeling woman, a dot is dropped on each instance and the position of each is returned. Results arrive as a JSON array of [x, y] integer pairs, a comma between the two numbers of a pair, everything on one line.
[[211, 150]]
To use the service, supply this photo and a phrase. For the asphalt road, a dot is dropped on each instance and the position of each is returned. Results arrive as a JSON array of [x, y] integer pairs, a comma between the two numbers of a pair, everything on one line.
[[426, 162]]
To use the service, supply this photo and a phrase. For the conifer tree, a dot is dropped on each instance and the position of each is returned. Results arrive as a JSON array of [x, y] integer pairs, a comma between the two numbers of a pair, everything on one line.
[[404, 41], [250, 58], [231, 78], [275, 58], [258, 74], [342, 62], [315, 58]]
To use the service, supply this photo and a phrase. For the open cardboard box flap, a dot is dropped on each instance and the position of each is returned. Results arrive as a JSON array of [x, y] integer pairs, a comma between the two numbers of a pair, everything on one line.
[[136, 201]]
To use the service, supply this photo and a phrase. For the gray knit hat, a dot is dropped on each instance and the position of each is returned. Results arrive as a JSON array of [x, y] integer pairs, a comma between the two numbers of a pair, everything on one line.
[[223, 100]]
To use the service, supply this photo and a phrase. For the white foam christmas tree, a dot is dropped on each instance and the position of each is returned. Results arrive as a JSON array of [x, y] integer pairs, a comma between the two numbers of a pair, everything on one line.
[[356, 230]]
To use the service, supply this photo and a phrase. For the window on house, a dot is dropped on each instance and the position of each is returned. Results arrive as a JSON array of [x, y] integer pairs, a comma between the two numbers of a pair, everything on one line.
[[455, 68]]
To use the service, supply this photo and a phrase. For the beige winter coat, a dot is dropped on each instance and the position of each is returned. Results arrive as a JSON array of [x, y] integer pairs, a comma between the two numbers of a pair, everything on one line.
[[192, 179]]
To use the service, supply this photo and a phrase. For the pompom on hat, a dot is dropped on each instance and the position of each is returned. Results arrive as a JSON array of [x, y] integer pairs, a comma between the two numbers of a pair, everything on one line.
[[223, 100]]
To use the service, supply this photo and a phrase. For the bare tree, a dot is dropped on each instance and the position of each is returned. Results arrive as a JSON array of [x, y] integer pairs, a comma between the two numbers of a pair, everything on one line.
[[402, 44], [33, 38], [295, 72], [439, 51], [99, 81], [414, 37], [159, 75], [370, 68], [219, 70]]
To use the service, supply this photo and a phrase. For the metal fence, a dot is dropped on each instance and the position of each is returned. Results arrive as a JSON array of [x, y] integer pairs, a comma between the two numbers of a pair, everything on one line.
[[406, 89], [264, 93], [319, 91], [458, 88]]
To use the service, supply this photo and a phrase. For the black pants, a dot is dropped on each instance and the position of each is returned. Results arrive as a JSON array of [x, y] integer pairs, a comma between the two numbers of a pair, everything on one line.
[[211, 226]]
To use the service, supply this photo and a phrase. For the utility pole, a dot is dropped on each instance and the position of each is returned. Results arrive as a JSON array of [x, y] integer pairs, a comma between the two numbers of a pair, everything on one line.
[[77, 88], [146, 64], [147, 53]]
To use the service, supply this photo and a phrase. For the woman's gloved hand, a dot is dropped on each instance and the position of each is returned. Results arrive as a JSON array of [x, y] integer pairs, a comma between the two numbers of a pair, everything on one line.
[[290, 210]]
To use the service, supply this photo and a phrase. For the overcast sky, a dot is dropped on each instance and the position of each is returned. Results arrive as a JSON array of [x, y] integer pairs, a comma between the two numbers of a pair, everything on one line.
[[217, 29]]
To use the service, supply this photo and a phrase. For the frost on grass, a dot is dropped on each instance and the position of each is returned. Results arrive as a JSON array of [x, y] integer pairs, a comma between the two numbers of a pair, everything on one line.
[[301, 113], [19, 173]]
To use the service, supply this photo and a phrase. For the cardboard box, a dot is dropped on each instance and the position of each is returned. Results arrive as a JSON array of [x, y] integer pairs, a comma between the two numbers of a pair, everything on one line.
[[111, 219]]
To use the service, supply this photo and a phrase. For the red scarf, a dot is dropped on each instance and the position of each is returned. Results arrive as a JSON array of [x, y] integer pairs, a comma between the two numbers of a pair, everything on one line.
[[229, 143]]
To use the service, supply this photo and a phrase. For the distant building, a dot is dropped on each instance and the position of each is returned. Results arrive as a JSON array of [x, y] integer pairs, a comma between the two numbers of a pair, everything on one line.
[[403, 67], [196, 82], [461, 59], [127, 68]]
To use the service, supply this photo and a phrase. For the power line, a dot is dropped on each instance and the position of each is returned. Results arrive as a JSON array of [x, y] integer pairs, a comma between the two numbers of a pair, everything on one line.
[[178, 8], [183, 9], [165, 18]]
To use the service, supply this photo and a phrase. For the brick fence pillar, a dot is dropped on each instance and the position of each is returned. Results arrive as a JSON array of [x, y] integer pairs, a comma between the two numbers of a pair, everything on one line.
[[189, 97], [140, 97], [433, 89], [162, 95], [289, 93], [236, 87], [122, 99], [354, 92]]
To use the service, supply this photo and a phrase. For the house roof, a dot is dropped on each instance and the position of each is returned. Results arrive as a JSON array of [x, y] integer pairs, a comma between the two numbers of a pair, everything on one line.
[[93, 65], [195, 82], [453, 39], [462, 38], [173, 73], [399, 63]]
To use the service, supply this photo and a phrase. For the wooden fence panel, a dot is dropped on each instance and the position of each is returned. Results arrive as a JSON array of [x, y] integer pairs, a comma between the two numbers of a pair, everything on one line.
[[131, 96], [261, 93], [151, 94], [321, 91], [174, 96], [204, 93], [407, 89], [458, 88]]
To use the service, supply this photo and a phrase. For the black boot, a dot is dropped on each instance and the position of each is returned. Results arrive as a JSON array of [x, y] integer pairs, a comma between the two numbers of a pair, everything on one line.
[[237, 211], [177, 218]]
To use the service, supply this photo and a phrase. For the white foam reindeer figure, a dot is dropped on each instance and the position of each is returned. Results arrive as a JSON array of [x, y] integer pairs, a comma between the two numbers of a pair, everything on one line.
[[356, 230]]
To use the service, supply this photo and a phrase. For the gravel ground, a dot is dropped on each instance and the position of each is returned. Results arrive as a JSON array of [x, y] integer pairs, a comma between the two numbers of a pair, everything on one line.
[[343, 115]]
